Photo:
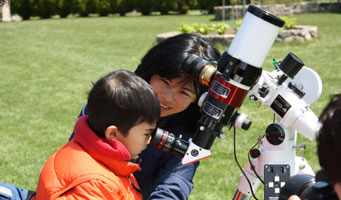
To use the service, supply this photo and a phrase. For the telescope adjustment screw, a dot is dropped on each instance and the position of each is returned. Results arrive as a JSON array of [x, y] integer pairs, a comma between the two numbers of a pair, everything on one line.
[[297, 91], [301, 167], [300, 147]]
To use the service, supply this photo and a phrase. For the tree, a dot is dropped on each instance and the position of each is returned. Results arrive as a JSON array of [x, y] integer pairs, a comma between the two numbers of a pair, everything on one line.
[[45, 8], [145, 6], [209, 5], [164, 6], [24, 8], [124, 6], [85, 7], [64, 7], [185, 5], [105, 7]]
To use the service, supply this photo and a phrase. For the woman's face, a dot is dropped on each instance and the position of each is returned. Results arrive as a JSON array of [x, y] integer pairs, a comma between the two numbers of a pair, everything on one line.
[[174, 95]]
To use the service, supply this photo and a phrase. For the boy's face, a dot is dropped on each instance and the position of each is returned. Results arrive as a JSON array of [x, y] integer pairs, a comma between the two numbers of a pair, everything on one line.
[[137, 139]]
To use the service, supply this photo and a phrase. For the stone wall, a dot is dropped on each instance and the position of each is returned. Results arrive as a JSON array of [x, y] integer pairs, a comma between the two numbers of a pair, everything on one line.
[[299, 33], [281, 9], [224, 39]]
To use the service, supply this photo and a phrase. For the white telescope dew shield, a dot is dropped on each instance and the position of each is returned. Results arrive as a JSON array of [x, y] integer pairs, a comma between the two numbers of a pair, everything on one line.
[[255, 36]]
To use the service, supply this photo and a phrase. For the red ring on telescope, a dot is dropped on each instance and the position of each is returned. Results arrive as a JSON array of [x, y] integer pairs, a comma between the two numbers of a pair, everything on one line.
[[163, 139], [234, 98]]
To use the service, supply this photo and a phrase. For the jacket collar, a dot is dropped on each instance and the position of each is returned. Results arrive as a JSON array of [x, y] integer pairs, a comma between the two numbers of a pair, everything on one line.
[[111, 153]]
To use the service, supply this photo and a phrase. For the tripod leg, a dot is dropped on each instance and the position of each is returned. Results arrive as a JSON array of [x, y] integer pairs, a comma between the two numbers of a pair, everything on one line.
[[240, 196], [245, 189]]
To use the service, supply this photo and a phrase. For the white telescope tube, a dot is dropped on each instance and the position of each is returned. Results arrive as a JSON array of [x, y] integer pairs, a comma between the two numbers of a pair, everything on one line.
[[255, 36]]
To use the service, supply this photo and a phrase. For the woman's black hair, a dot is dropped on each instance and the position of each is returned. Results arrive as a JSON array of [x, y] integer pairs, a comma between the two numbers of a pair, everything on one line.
[[166, 59], [123, 99]]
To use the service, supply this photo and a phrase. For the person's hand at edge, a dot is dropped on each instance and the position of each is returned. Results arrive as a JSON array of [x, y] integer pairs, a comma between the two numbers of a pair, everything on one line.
[[294, 197]]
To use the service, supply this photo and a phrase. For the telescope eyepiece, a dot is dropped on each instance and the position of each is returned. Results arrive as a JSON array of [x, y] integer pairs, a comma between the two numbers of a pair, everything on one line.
[[168, 142], [199, 69]]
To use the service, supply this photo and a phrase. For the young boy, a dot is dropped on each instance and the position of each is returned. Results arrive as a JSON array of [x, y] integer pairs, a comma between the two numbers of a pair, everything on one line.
[[329, 147], [96, 164]]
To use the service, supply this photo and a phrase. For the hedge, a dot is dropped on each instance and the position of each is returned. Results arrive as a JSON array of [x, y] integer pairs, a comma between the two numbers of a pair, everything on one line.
[[48, 8]]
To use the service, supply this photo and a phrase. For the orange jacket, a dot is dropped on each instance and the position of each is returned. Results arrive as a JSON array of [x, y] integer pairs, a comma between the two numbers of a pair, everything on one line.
[[88, 167]]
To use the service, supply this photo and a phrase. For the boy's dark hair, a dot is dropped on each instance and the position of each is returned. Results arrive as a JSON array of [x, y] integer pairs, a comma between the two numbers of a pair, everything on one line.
[[329, 139], [166, 59], [123, 99]]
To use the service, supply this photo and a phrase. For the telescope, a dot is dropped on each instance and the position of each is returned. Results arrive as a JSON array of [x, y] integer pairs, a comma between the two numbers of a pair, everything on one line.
[[237, 71]]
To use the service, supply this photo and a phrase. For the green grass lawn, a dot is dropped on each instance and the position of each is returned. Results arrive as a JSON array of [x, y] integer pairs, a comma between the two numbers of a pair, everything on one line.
[[47, 66]]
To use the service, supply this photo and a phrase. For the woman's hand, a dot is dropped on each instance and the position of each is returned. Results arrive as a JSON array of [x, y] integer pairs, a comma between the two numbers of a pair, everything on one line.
[[294, 197]]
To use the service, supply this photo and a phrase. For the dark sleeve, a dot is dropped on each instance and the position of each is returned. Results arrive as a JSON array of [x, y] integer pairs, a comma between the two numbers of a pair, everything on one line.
[[83, 112], [174, 180], [12, 192]]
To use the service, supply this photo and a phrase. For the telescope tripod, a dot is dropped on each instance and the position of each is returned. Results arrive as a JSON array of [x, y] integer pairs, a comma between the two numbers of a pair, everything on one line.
[[274, 160]]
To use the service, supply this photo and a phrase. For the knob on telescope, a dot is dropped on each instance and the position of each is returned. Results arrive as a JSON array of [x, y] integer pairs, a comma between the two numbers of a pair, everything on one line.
[[291, 65], [275, 134], [241, 121]]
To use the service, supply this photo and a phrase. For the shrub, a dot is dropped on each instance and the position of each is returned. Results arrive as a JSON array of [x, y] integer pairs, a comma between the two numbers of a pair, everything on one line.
[[184, 28], [124, 6], [185, 5], [289, 22], [221, 28], [24, 8], [209, 5], [164, 6], [105, 7], [204, 29], [64, 7], [238, 22], [85, 7], [45, 8], [113, 6], [145, 6]]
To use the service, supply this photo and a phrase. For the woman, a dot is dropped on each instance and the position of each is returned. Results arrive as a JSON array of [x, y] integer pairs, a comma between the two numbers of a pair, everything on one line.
[[163, 176]]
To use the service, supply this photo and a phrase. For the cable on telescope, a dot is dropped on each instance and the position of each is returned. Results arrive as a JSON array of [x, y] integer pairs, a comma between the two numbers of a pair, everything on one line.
[[235, 158]]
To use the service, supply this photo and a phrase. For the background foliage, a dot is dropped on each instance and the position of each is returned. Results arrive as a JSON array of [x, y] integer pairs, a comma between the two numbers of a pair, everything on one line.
[[47, 66], [83, 8]]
